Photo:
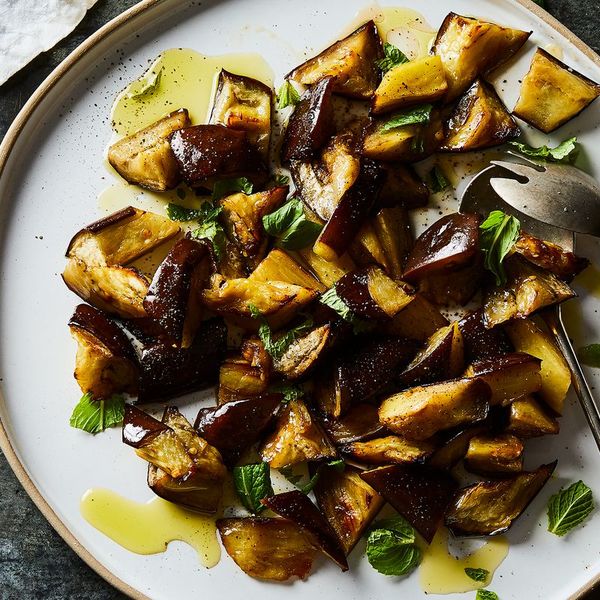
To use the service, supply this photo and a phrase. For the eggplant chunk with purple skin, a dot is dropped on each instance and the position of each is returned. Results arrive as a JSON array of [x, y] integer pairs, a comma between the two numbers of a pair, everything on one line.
[[173, 298], [393, 230], [266, 548], [494, 454], [207, 153], [391, 449], [360, 423], [552, 93], [145, 157], [351, 62], [311, 123], [491, 507], [455, 447], [370, 294], [470, 48], [479, 121], [481, 343], [167, 371], [366, 248], [244, 103], [420, 494], [528, 289], [420, 412], [106, 362], [414, 82], [528, 419], [297, 438], [297, 508], [510, 376], [348, 503], [418, 321]]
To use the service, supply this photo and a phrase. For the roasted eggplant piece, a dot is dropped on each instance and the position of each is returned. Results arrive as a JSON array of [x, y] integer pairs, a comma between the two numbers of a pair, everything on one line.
[[323, 182], [264, 548], [328, 272], [360, 423], [528, 419], [491, 507], [244, 103], [167, 371], [297, 438], [391, 449], [173, 298], [277, 301], [121, 237], [418, 81], [304, 353], [370, 294], [420, 412], [145, 157], [420, 494], [552, 93], [527, 337], [479, 121], [402, 187], [351, 63], [448, 288], [441, 358], [527, 290], [106, 362], [235, 426], [311, 123], [419, 320], [366, 248], [549, 256], [348, 503], [280, 266], [242, 215], [510, 376], [206, 153], [455, 447], [470, 48], [392, 227], [351, 212], [481, 343], [494, 454], [297, 508]]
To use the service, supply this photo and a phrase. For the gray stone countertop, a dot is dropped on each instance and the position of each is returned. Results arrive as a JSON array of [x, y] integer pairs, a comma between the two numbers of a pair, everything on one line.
[[34, 561]]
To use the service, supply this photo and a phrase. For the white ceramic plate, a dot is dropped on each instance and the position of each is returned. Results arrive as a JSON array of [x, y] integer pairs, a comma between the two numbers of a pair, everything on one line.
[[53, 172]]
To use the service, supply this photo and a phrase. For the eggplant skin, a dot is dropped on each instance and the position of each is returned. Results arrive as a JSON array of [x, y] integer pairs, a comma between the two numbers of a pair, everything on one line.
[[402, 187], [553, 93], [360, 423], [351, 62], [267, 548], [491, 507], [482, 343], [205, 153], [311, 123]]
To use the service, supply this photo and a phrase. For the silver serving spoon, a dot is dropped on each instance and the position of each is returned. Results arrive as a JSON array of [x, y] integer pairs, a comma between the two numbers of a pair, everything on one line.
[[480, 196]]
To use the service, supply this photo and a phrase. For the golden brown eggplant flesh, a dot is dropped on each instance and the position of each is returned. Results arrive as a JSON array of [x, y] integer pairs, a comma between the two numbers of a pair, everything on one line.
[[469, 48], [327, 272], [419, 320], [350, 61], [391, 449], [420, 412], [420, 494], [304, 353], [267, 548], [360, 423], [528, 419], [244, 103], [145, 158], [348, 503], [494, 454], [479, 121], [297, 438], [393, 230], [553, 93], [455, 447], [297, 508], [491, 507]]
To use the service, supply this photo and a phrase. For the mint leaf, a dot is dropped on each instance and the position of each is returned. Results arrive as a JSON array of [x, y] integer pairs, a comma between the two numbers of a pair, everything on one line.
[[288, 473], [291, 226], [486, 595], [338, 464], [437, 180], [390, 555], [330, 298], [290, 391], [280, 180], [393, 57], [176, 212], [569, 508], [287, 95], [479, 575], [95, 416], [565, 152], [224, 187], [410, 116], [252, 484], [590, 355], [400, 526], [499, 232]]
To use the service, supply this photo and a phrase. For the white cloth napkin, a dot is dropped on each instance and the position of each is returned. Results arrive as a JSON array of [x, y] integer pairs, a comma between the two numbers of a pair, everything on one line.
[[28, 27]]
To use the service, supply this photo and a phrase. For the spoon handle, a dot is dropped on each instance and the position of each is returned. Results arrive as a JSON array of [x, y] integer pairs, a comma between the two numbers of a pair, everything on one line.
[[553, 320]]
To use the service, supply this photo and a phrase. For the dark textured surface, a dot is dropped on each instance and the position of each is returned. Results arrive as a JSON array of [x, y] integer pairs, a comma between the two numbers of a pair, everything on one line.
[[34, 561]]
